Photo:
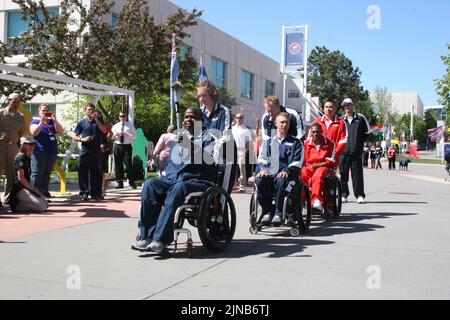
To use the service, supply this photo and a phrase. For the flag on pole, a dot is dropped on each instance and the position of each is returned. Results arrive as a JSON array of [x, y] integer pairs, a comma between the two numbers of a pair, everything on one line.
[[174, 74], [202, 75]]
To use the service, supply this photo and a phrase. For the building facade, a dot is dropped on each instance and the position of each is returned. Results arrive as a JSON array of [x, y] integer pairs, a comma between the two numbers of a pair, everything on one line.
[[249, 74], [404, 102]]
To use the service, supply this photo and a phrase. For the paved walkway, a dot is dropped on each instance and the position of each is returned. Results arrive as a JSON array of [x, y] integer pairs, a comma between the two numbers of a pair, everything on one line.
[[394, 247]]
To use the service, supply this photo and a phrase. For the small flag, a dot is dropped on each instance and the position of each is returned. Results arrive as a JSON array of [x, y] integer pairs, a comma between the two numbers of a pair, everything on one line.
[[174, 74], [202, 75]]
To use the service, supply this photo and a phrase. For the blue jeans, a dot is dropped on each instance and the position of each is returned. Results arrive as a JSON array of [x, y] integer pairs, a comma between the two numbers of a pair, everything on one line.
[[267, 188], [41, 168], [159, 201]]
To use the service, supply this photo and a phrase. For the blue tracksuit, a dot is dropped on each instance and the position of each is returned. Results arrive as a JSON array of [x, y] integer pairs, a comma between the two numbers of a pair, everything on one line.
[[278, 156]]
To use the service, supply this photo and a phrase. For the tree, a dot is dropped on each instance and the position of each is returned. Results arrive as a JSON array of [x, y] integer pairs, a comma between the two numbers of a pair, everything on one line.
[[431, 118], [134, 54], [332, 75], [443, 85], [420, 127]]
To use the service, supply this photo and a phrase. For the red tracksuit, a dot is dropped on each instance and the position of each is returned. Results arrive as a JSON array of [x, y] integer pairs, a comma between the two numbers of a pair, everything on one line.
[[336, 130], [314, 154]]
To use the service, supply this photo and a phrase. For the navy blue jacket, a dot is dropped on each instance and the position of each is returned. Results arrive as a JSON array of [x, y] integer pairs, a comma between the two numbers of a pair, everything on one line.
[[288, 157], [296, 128]]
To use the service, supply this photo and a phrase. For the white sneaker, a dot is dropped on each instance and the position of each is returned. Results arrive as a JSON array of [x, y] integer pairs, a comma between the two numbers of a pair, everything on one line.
[[344, 200], [317, 205], [361, 200]]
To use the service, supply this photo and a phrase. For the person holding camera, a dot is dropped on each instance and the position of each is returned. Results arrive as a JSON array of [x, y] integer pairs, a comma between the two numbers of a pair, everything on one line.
[[44, 130], [89, 132]]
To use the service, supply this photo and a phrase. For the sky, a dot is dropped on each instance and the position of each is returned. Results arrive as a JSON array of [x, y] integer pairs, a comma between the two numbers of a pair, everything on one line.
[[403, 54]]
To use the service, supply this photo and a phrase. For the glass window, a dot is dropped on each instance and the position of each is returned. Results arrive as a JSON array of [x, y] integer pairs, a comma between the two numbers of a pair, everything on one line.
[[114, 20], [218, 72], [184, 51], [270, 88], [17, 26], [34, 108], [247, 85]]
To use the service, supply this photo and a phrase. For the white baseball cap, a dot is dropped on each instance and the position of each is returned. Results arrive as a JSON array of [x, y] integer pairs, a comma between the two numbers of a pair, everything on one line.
[[347, 101]]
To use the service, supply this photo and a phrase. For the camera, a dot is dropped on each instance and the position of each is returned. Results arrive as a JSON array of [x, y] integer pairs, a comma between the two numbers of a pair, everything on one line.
[[48, 114]]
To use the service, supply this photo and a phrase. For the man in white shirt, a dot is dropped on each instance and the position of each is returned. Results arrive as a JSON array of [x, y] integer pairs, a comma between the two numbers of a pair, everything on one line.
[[242, 136], [124, 133]]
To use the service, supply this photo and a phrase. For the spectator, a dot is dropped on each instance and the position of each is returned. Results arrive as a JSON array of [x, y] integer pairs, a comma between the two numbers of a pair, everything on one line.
[[373, 156], [89, 132], [243, 137], [163, 148], [379, 155], [366, 152], [44, 129], [24, 197], [12, 128], [124, 134], [392, 157], [151, 162], [105, 151], [358, 130]]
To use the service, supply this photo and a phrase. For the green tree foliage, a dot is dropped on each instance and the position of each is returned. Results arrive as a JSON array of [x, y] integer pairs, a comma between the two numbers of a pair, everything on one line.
[[431, 118], [82, 43], [443, 86], [332, 75], [420, 127]]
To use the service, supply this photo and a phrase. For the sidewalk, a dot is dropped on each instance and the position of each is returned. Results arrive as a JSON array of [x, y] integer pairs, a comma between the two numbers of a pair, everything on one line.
[[401, 233]]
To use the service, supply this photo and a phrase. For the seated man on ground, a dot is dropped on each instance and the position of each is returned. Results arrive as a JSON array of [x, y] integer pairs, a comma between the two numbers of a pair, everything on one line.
[[185, 173], [23, 197], [319, 158], [279, 163]]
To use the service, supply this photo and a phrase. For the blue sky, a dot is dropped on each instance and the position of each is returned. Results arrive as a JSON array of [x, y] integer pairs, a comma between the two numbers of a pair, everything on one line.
[[404, 55]]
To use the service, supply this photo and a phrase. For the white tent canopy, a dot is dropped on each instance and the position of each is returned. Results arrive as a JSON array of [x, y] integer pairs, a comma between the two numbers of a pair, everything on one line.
[[59, 82], [54, 81]]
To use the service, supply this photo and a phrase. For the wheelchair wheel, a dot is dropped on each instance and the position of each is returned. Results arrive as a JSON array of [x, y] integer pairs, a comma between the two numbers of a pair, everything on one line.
[[254, 213], [217, 220], [304, 217], [333, 201]]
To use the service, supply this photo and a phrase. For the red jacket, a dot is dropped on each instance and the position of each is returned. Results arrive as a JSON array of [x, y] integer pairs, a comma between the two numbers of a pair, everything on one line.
[[392, 153], [324, 153], [336, 131]]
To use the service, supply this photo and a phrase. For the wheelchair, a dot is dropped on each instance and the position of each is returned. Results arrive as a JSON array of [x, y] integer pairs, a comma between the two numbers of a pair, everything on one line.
[[296, 210], [332, 196], [212, 212]]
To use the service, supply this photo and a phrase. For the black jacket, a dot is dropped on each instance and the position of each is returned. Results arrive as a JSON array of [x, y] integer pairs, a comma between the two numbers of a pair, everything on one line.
[[357, 132]]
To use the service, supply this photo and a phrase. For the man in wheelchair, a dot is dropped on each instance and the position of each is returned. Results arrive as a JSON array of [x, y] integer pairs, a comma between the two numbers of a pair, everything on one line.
[[319, 158], [185, 173], [279, 163]]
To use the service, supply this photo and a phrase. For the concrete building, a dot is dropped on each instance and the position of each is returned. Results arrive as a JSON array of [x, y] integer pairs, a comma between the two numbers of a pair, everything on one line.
[[229, 62], [402, 102]]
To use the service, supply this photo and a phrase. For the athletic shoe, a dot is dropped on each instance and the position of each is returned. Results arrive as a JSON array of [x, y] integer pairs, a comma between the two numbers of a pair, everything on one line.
[[141, 245], [344, 200], [317, 205], [361, 200], [266, 219], [157, 246]]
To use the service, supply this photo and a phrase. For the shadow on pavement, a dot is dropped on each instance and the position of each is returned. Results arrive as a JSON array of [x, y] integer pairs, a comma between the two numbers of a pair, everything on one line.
[[396, 202], [12, 242], [271, 248], [346, 224]]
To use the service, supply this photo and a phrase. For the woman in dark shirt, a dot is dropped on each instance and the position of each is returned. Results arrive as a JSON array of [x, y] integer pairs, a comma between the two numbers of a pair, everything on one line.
[[24, 197]]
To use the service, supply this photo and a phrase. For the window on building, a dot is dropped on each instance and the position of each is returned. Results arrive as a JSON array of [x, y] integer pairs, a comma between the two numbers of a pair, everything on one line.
[[184, 51], [218, 72], [33, 108], [247, 80], [270, 88], [16, 25], [114, 20]]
